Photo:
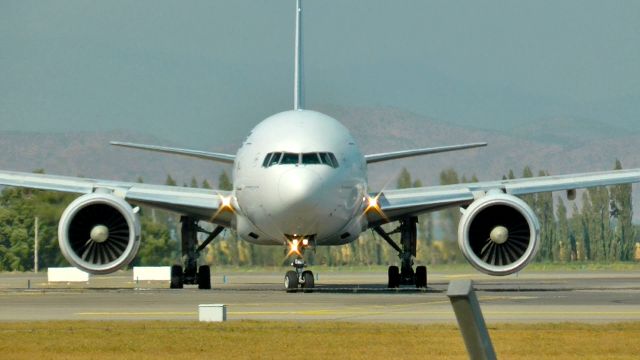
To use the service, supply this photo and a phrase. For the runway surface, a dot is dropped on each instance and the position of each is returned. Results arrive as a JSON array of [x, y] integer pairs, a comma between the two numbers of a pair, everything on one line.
[[576, 296]]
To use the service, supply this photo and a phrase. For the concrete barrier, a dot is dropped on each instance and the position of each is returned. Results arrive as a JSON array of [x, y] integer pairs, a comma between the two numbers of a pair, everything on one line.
[[66, 274], [151, 273], [212, 312], [470, 320]]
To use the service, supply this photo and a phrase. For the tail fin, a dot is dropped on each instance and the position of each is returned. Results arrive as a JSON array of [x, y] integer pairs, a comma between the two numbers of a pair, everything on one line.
[[297, 76]]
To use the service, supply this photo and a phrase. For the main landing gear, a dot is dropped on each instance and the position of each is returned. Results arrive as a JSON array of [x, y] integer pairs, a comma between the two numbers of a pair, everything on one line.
[[405, 275], [192, 274]]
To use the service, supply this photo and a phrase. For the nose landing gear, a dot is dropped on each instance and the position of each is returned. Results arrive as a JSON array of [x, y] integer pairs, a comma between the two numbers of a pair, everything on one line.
[[299, 277]]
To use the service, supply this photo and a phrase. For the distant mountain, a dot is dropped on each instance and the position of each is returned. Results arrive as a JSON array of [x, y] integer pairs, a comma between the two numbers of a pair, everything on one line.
[[544, 146], [90, 155], [556, 145], [568, 131]]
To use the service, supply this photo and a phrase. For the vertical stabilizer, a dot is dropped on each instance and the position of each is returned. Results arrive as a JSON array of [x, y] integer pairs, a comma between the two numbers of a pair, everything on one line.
[[297, 76]]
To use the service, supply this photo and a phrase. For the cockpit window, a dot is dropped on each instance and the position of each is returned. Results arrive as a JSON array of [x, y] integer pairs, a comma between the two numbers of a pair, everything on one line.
[[290, 159], [329, 159], [310, 159], [323, 158], [275, 159], [326, 159], [334, 160], [265, 163]]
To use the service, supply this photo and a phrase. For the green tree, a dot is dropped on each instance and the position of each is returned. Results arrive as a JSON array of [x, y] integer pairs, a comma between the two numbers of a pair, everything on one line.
[[587, 221], [449, 217], [543, 206], [622, 214], [170, 181], [156, 248], [565, 246], [599, 225], [224, 183], [194, 182], [404, 179]]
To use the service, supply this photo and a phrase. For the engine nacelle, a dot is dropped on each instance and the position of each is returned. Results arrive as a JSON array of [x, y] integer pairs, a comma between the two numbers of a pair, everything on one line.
[[99, 233], [499, 234]]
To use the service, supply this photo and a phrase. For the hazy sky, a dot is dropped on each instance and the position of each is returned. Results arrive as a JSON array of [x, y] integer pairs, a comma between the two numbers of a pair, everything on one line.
[[202, 72]]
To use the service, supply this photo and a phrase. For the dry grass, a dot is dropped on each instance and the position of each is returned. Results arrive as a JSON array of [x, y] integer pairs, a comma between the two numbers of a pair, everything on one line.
[[307, 340]]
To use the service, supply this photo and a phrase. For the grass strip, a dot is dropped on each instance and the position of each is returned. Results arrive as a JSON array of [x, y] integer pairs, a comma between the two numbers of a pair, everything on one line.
[[307, 340]]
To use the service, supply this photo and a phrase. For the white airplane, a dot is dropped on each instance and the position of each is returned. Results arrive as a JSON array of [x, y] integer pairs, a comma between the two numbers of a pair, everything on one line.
[[300, 181]]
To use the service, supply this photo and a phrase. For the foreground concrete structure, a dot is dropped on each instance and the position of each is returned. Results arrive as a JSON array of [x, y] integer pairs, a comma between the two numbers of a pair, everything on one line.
[[470, 320]]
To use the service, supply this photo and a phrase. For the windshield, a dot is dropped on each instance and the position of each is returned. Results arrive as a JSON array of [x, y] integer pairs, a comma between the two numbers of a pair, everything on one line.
[[313, 158]]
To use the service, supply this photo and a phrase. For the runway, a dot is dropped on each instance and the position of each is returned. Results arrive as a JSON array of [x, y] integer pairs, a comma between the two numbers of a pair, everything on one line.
[[576, 296]]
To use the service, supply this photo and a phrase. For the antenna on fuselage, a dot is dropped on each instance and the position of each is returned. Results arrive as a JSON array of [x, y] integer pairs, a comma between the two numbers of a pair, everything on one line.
[[297, 75]]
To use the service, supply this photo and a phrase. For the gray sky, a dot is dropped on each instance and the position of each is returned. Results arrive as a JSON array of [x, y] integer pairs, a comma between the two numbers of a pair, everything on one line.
[[198, 73]]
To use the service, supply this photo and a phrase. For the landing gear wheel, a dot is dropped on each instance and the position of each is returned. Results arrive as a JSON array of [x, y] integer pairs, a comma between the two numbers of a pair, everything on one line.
[[421, 277], [394, 277], [176, 277], [204, 277], [309, 282], [291, 281]]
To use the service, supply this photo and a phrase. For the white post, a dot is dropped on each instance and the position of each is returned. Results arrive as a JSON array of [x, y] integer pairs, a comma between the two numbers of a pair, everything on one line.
[[35, 247]]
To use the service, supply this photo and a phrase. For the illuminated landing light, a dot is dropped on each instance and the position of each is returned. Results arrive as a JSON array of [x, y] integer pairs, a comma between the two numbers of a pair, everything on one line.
[[224, 205], [374, 206], [294, 248]]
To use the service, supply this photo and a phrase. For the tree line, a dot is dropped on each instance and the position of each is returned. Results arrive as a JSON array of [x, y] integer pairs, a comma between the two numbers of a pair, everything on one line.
[[597, 226]]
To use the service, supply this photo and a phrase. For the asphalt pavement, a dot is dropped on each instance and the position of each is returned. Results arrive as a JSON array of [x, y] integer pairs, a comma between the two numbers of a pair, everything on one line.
[[574, 296]]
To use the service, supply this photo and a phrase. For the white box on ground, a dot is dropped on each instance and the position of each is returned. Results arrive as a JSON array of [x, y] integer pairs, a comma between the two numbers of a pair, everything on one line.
[[212, 312], [66, 274], [151, 273]]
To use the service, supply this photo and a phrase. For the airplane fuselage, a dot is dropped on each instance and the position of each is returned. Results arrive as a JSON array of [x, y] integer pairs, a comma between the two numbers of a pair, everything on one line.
[[300, 174]]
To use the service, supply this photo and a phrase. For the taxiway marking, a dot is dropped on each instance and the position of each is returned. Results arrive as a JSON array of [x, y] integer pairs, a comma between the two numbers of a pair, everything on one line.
[[364, 313]]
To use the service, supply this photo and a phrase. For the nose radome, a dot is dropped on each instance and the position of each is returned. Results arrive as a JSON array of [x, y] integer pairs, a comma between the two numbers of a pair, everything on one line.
[[299, 189]]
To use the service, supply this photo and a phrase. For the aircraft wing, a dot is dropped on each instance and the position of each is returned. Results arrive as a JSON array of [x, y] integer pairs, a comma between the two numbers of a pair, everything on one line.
[[374, 158], [395, 204], [199, 203], [225, 158]]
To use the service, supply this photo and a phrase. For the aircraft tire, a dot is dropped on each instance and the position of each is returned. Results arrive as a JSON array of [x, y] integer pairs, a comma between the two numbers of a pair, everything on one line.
[[204, 277], [309, 282], [421, 277], [176, 277], [394, 277], [291, 281]]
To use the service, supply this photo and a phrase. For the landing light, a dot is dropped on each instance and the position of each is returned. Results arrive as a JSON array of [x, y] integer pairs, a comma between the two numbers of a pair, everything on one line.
[[374, 206], [372, 203], [294, 247], [225, 204]]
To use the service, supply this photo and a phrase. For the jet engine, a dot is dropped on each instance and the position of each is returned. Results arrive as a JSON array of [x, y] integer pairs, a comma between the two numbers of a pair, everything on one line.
[[99, 233], [499, 234]]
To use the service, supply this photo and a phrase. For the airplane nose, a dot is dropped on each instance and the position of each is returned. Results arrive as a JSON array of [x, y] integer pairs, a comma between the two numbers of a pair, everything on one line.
[[299, 190]]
